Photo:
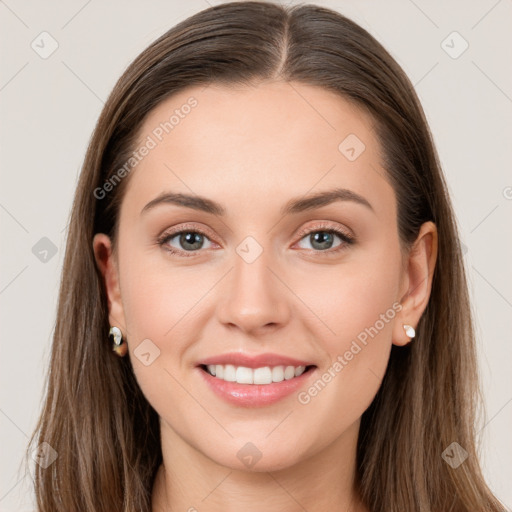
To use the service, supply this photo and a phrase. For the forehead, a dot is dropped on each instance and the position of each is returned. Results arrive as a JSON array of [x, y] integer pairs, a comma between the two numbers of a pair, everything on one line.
[[256, 142]]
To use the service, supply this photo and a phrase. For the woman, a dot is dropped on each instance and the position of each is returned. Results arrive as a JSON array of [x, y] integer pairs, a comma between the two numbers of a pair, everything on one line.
[[263, 300]]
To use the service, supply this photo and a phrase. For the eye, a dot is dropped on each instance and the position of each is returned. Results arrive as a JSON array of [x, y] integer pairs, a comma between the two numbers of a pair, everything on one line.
[[186, 240], [322, 239]]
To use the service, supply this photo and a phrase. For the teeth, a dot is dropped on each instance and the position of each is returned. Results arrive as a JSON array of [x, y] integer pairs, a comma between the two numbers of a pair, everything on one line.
[[264, 375], [244, 375], [277, 373], [229, 373], [289, 372]]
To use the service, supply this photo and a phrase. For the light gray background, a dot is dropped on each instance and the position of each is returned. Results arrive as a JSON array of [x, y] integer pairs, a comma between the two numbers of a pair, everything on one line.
[[50, 106]]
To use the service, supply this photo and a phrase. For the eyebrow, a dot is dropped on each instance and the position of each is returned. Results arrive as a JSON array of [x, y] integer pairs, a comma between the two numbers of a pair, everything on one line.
[[293, 206]]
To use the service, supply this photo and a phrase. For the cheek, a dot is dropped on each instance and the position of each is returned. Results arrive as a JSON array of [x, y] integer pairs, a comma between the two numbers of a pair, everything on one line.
[[159, 306], [357, 306], [157, 300], [352, 298]]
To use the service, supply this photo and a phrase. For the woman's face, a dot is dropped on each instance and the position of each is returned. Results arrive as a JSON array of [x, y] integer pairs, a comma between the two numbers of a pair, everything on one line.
[[260, 272]]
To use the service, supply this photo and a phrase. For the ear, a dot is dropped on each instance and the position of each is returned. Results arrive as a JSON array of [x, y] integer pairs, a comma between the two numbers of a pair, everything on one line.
[[416, 281], [107, 264]]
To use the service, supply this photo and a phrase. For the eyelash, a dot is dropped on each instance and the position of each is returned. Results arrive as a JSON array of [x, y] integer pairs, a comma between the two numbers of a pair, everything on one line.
[[322, 228]]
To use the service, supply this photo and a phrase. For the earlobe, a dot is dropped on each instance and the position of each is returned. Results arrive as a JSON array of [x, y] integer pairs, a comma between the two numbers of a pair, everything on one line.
[[106, 262], [418, 279]]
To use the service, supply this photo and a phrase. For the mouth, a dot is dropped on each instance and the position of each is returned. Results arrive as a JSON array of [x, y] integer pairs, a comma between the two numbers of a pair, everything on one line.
[[255, 380], [261, 376]]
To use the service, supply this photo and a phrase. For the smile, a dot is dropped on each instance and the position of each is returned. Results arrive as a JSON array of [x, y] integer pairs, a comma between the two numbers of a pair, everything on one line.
[[258, 376], [255, 387]]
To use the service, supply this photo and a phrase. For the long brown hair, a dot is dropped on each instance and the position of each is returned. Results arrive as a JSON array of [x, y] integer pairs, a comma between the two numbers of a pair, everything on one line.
[[95, 416]]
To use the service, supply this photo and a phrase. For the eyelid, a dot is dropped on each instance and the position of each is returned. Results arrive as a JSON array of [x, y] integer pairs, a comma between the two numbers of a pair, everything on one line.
[[186, 227], [327, 226], [176, 230], [321, 226]]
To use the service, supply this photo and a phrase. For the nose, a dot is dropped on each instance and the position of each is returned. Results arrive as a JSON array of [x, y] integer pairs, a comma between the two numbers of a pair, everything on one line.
[[253, 298]]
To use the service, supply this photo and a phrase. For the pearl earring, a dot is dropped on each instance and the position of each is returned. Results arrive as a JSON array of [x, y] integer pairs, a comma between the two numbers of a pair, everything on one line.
[[409, 330], [119, 346]]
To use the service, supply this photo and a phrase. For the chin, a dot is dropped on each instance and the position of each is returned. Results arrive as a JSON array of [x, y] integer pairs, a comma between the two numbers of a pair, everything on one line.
[[258, 457]]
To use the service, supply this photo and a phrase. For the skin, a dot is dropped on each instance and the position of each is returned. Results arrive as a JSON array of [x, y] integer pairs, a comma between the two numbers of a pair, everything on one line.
[[252, 149]]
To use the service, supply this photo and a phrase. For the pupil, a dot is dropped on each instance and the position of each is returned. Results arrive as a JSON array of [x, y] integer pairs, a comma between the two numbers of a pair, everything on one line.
[[320, 238], [194, 239]]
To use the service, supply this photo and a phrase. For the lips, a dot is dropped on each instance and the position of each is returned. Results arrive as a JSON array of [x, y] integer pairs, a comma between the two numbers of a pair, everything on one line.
[[249, 383], [254, 361]]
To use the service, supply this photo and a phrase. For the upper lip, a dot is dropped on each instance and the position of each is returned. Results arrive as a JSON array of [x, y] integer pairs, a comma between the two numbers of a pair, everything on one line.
[[253, 361]]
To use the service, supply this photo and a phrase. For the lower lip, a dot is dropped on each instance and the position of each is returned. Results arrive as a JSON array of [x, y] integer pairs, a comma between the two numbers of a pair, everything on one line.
[[254, 395]]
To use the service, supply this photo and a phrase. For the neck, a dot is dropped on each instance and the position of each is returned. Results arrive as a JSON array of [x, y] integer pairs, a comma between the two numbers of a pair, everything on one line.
[[190, 481]]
